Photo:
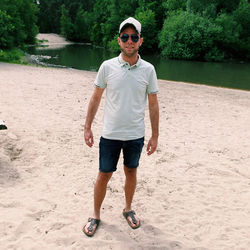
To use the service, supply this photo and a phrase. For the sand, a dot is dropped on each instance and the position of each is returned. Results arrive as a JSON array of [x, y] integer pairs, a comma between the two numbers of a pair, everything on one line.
[[52, 41], [193, 193]]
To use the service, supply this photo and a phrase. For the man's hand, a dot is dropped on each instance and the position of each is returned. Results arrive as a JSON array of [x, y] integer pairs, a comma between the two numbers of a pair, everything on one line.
[[154, 119], [92, 109], [88, 137], [152, 145]]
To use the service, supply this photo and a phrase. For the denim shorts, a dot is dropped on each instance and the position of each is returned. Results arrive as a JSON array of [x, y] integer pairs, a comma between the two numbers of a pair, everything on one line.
[[110, 150]]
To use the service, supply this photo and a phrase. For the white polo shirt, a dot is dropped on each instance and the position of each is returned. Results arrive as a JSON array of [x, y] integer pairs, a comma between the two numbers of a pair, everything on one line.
[[126, 96]]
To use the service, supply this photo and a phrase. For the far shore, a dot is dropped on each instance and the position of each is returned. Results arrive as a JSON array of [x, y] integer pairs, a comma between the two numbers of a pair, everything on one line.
[[52, 40]]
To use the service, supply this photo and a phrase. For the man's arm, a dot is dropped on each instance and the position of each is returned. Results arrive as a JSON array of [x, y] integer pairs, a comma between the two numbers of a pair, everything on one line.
[[154, 119], [92, 109]]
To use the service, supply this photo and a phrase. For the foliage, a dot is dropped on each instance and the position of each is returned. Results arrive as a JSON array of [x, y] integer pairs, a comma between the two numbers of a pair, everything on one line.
[[6, 27], [174, 5], [19, 17], [66, 24], [156, 7], [113, 45], [179, 39], [242, 17], [208, 30], [13, 55], [82, 26], [28, 15], [228, 38], [149, 32], [181, 29], [49, 16]]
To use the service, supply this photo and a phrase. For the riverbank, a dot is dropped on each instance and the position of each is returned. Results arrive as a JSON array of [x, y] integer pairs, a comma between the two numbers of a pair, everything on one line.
[[192, 193], [52, 40], [48, 40], [87, 57]]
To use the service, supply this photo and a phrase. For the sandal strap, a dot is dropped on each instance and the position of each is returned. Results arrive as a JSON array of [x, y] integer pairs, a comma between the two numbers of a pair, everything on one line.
[[92, 223], [131, 214]]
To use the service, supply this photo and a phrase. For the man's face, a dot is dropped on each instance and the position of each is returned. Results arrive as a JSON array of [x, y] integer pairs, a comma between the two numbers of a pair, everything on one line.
[[129, 47]]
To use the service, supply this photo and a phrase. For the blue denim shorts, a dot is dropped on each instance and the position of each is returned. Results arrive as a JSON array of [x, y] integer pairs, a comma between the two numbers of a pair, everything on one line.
[[110, 150]]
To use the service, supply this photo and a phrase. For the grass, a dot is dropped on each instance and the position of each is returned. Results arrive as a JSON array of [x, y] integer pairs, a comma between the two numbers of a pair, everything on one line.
[[14, 55]]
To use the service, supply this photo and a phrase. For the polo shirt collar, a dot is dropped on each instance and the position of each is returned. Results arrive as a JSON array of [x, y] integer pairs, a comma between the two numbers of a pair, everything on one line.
[[124, 63]]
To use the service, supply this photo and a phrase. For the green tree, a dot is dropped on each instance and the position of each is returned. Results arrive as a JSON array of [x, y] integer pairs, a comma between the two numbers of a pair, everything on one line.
[[50, 12], [107, 14], [49, 16], [189, 36], [113, 44], [149, 32], [28, 12], [213, 7], [12, 9], [228, 38], [6, 27], [241, 15], [154, 6], [174, 5], [66, 24], [192, 29], [202, 7], [226, 6], [82, 26], [100, 15], [22, 20]]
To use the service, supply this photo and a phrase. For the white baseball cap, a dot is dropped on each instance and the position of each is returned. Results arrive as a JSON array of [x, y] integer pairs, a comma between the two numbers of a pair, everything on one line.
[[133, 22]]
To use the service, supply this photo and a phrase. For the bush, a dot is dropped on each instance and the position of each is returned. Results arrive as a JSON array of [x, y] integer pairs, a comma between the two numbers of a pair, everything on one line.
[[66, 23], [189, 36], [82, 26], [12, 55], [5, 28], [241, 15], [19, 17], [149, 31], [228, 39], [113, 45]]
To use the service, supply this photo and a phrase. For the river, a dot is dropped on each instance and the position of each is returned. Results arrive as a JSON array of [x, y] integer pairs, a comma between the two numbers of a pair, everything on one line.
[[86, 57]]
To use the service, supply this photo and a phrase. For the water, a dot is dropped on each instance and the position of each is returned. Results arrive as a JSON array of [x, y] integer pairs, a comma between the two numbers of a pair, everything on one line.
[[87, 57]]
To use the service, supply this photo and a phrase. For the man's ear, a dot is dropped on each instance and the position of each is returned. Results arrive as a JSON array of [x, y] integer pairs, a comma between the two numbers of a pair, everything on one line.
[[119, 40]]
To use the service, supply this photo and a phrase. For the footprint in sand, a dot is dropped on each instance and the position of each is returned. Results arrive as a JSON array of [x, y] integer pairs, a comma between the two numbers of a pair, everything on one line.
[[8, 174]]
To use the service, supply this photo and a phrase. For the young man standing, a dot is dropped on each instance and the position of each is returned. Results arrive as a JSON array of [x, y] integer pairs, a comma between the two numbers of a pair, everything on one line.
[[128, 81]]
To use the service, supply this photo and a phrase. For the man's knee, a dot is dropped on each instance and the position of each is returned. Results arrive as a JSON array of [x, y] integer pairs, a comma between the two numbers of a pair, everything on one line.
[[130, 171], [104, 177]]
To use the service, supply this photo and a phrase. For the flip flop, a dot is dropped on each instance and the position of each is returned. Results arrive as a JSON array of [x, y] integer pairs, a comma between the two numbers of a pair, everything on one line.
[[131, 215], [93, 222]]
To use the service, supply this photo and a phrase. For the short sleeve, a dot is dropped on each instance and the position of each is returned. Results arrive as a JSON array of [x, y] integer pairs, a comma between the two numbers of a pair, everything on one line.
[[152, 82], [100, 80]]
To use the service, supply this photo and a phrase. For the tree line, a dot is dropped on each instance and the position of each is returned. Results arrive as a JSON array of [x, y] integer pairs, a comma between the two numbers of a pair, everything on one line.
[[18, 20], [210, 30]]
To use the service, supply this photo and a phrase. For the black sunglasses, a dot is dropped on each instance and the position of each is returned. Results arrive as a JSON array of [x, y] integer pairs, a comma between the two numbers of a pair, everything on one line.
[[134, 38]]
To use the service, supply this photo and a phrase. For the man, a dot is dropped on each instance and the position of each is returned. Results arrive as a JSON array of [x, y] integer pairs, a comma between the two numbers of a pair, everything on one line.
[[128, 81]]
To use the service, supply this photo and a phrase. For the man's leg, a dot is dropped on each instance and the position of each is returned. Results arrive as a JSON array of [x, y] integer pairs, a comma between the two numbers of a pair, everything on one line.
[[130, 185], [108, 157], [100, 191], [99, 195], [129, 188]]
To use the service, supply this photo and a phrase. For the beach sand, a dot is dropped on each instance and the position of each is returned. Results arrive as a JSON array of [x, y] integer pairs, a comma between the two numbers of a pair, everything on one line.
[[52, 41], [193, 193]]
